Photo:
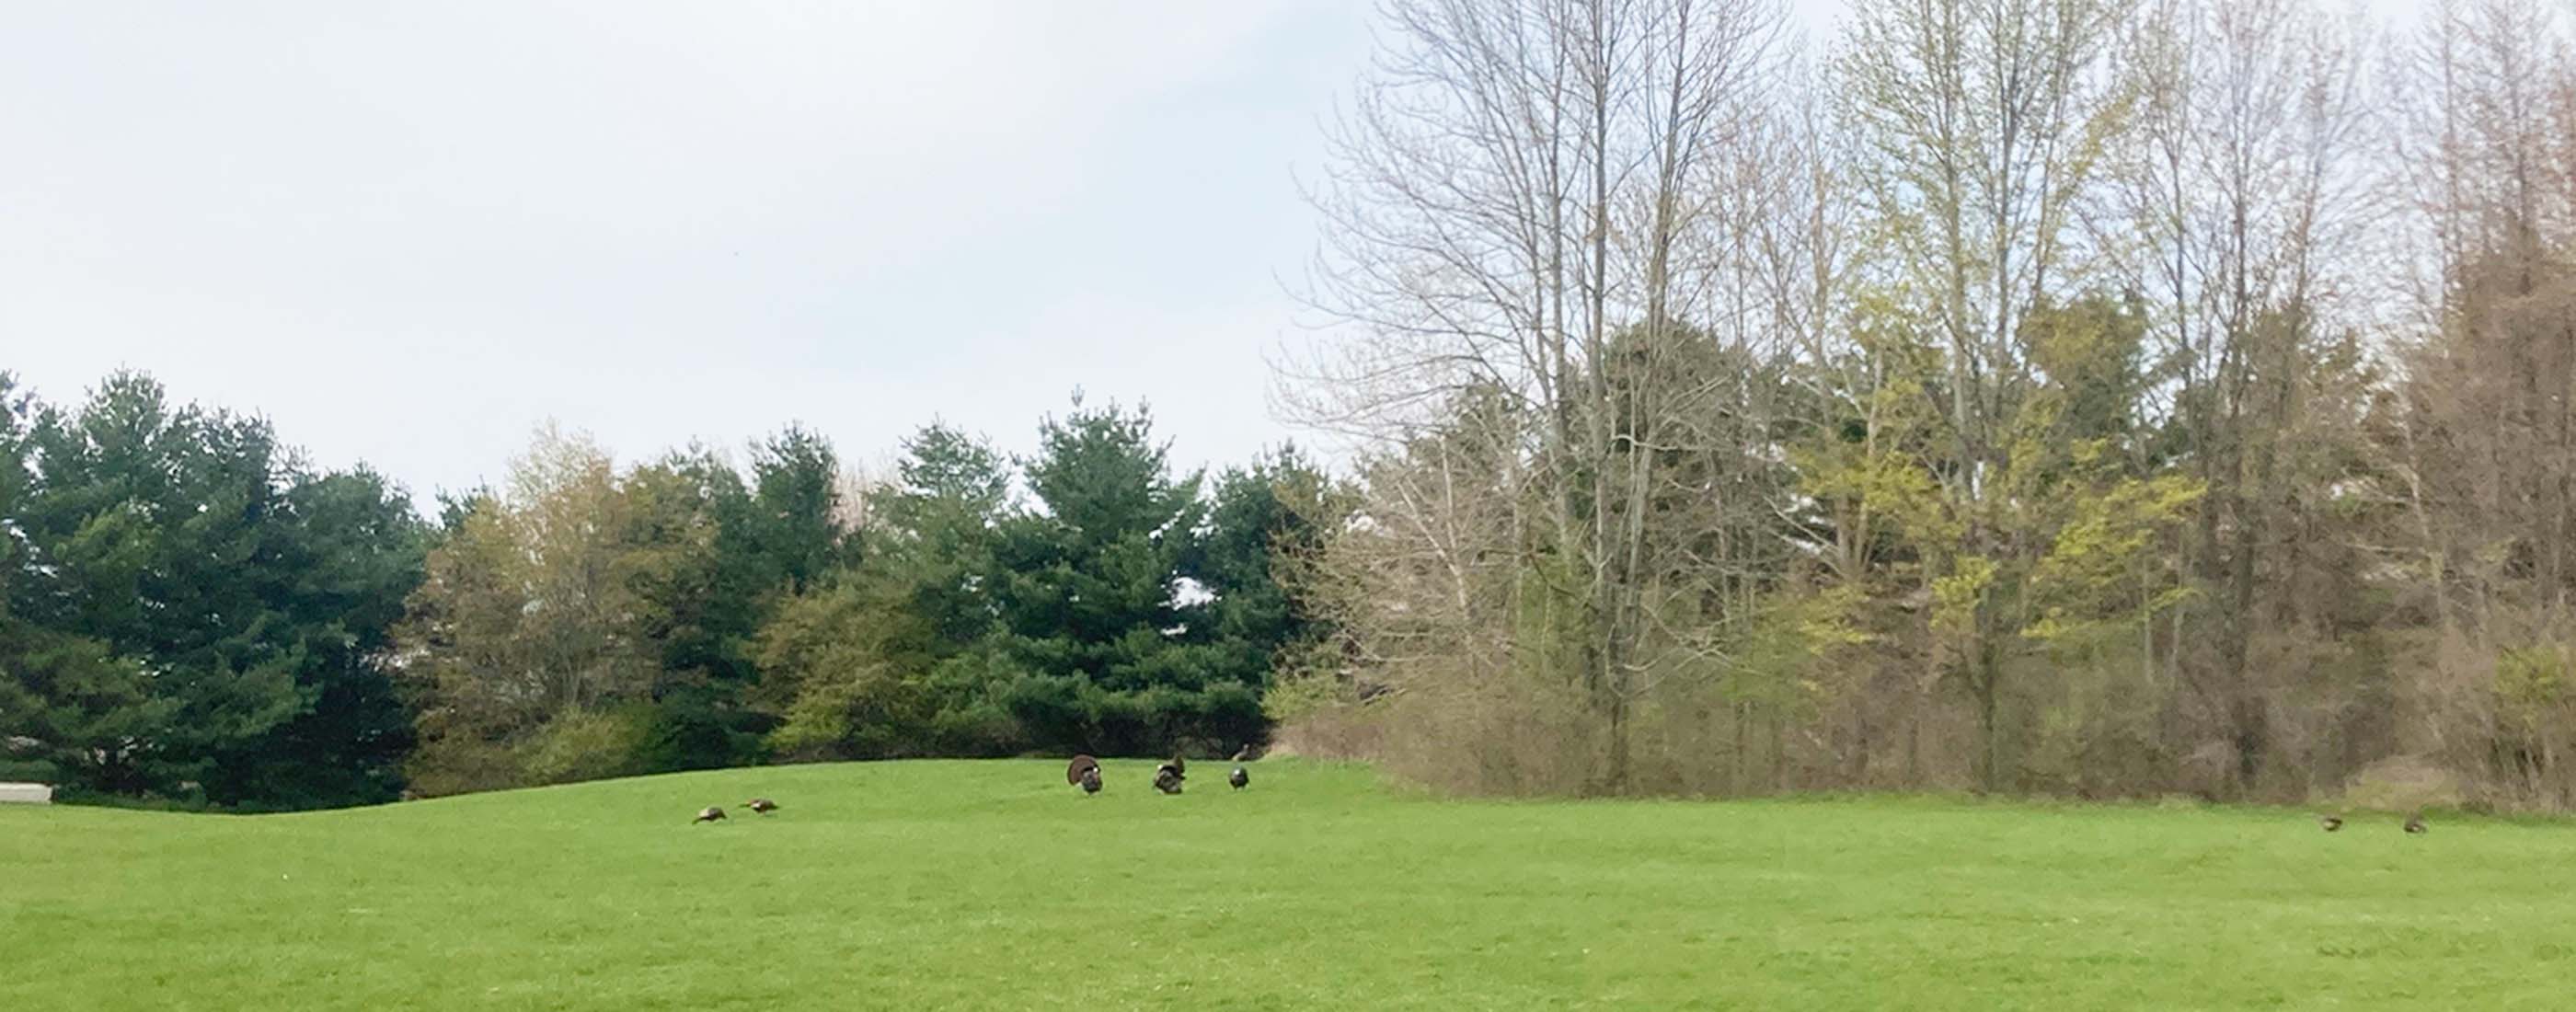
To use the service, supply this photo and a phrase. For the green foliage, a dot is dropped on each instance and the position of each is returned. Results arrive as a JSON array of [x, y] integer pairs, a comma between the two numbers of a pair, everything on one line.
[[2536, 685], [792, 531], [587, 593], [188, 614], [539, 607], [587, 744], [2103, 566], [1267, 519], [1088, 589], [349, 551], [888, 657], [857, 665]]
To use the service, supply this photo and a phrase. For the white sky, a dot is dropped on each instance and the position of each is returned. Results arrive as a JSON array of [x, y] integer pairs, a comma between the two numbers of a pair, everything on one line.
[[408, 233]]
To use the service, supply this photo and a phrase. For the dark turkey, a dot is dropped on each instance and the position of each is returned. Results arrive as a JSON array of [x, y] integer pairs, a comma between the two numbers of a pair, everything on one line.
[[710, 813], [1167, 779], [1178, 765], [1090, 780], [2330, 822], [762, 805], [1238, 778], [2415, 824], [1073, 770]]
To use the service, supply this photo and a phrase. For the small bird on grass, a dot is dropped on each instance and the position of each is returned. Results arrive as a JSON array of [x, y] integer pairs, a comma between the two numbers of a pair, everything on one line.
[[2415, 823], [762, 805], [1167, 779], [710, 813], [1090, 781], [1238, 778], [2330, 822]]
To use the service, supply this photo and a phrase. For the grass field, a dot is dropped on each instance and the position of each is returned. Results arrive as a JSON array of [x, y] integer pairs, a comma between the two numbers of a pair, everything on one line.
[[992, 885]]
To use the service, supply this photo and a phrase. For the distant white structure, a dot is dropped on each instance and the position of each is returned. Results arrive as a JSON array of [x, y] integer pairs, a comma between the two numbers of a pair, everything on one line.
[[26, 794]]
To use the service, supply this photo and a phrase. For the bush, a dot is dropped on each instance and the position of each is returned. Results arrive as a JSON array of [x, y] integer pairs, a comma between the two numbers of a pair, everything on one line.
[[588, 745], [691, 728], [1073, 713]]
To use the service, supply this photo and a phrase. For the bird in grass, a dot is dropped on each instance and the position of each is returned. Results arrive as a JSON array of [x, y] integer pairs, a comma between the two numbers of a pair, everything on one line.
[[1247, 753], [1073, 770], [2415, 823], [1238, 778], [1167, 779], [1090, 781], [1178, 765], [710, 813], [762, 805], [2330, 822]]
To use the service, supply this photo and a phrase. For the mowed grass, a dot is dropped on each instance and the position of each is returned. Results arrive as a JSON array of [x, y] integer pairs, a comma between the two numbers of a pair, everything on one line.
[[992, 885]]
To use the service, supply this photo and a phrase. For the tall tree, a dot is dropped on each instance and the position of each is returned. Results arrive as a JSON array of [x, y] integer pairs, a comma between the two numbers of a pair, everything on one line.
[[2241, 189], [891, 657], [1986, 124], [1087, 590], [347, 551], [67, 703], [196, 617], [1265, 518], [532, 625], [2484, 428], [1517, 187]]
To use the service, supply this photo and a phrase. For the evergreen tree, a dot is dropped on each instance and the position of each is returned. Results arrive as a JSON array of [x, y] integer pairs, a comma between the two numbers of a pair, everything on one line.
[[348, 549], [191, 615], [1269, 514], [893, 657], [1088, 590], [771, 539]]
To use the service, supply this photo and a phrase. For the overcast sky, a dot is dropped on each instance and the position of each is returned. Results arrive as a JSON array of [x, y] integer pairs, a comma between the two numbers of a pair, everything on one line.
[[410, 232]]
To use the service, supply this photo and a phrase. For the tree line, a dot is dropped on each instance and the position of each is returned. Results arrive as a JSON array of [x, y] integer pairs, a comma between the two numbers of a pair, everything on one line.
[[192, 615], [2061, 396], [2067, 396]]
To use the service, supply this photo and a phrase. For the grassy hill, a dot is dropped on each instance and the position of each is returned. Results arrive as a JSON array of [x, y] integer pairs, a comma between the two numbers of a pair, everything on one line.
[[992, 885]]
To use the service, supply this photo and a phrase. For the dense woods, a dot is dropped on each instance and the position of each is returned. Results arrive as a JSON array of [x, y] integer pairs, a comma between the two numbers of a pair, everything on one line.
[[2057, 396], [192, 617], [2025, 395], [187, 613]]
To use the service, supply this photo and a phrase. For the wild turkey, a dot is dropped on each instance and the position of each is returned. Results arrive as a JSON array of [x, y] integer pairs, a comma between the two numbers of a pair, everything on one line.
[[710, 813], [2415, 824], [762, 805], [1167, 779], [1178, 765], [2330, 822], [1090, 780], [1247, 753], [1073, 770], [1238, 778]]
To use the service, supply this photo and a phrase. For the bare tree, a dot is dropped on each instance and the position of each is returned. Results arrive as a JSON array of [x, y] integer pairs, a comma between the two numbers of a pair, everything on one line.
[[2486, 427], [1521, 206], [2243, 183], [2008, 403]]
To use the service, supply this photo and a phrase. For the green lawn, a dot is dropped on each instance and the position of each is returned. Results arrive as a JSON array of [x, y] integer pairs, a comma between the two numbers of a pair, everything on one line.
[[992, 885]]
